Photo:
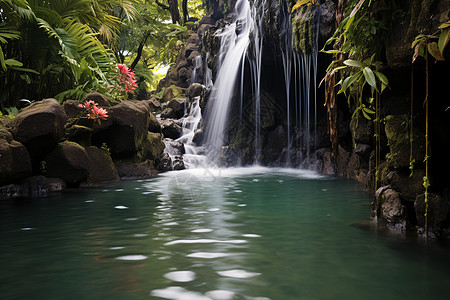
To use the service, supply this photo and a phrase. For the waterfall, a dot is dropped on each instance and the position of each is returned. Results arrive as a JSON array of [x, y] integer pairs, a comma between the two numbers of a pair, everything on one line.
[[237, 85], [197, 65], [235, 40]]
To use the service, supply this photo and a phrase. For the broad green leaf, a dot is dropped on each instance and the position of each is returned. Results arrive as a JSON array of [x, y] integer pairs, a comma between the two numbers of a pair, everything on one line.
[[433, 48], [370, 77], [24, 70], [349, 81], [444, 38], [382, 77], [445, 25], [366, 115], [368, 110], [353, 63], [13, 62]]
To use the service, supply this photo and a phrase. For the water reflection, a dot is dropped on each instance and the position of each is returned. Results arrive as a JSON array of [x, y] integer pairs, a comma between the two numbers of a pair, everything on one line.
[[284, 236]]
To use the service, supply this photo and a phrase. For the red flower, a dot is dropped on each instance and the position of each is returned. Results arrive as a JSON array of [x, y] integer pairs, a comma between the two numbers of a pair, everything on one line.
[[126, 78], [93, 111]]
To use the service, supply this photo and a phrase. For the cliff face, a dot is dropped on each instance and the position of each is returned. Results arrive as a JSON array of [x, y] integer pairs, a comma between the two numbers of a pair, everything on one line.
[[399, 201]]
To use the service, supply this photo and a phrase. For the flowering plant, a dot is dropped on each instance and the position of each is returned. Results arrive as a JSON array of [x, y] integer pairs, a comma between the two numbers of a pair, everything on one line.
[[93, 111], [126, 79]]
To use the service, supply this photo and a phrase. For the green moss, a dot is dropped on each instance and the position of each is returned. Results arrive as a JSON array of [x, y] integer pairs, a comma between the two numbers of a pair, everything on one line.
[[303, 28]]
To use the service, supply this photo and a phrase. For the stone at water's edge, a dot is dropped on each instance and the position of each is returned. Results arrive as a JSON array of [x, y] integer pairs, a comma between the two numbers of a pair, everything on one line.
[[40, 126], [389, 209], [68, 161], [438, 210], [101, 166], [15, 162]]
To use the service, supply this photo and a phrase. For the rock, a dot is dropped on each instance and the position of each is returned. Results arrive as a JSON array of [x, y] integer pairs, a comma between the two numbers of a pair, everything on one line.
[[68, 161], [392, 211], [438, 210], [342, 159], [154, 125], [170, 93], [154, 146], [275, 142], [207, 20], [362, 131], [328, 163], [190, 48], [174, 147], [154, 105], [128, 134], [72, 110], [178, 106], [178, 163], [101, 166], [34, 187], [183, 74], [165, 163], [98, 98], [10, 191], [198, 137], [80, 134], [408, 186], [170, 129], [15, 161], [168, 113], [327, 21], [397, 133], [133, 170], [56, 184], [40, 126], [422, 17], [195, 39], [203, 28], [227, 157], [195, 90]]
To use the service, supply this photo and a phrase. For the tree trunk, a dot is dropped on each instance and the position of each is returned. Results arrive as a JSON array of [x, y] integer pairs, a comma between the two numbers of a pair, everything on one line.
[[174, 12], [139, 51], [185, 11]]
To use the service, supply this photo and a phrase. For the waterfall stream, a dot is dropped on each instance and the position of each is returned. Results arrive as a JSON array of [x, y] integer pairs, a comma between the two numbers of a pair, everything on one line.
[[239, 66]]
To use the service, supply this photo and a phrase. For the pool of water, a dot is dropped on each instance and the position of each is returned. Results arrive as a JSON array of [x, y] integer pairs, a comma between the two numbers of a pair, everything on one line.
[[251, 233]]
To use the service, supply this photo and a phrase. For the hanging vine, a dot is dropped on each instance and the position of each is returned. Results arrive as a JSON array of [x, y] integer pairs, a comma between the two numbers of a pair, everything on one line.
[[424, 46]]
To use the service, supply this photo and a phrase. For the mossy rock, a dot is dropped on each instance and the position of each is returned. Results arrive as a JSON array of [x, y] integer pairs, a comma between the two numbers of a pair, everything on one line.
[[398, 135]]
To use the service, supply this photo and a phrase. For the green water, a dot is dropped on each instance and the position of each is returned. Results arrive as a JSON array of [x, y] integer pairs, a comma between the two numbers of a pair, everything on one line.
[[207, 234]]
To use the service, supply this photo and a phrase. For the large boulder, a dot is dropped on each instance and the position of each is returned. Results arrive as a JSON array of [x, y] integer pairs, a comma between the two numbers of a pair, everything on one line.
[[101, 166], [15, 162], [128, 133], [40, 126], [68, 161], [389, 208]]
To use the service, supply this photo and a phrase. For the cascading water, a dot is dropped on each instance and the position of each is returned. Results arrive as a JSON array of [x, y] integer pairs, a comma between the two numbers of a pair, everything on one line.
[[235, 40], [237, 83]]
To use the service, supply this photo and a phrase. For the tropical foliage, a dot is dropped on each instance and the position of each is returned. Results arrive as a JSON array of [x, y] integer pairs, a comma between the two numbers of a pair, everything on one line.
[[67, 48]]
